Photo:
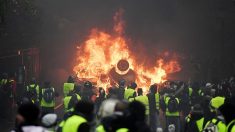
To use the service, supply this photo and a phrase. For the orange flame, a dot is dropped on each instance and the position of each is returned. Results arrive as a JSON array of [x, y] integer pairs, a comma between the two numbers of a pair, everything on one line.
[[102, 51]]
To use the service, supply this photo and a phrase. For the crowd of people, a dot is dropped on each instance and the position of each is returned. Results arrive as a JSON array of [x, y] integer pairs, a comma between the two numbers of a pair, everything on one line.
[[172, 106]]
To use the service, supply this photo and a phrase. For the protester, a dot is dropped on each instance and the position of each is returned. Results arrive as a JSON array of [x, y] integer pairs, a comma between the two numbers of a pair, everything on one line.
[[27, 119]]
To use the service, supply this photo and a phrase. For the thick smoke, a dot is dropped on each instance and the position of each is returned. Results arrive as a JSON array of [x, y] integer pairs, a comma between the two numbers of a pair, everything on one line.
[[197, 31]]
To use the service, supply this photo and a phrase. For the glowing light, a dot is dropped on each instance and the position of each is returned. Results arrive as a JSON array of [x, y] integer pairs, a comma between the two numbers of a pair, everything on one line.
[[102, 51]]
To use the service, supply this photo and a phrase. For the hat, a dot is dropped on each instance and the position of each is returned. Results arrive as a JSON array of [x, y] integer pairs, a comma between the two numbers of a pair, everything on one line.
[[49, 120]]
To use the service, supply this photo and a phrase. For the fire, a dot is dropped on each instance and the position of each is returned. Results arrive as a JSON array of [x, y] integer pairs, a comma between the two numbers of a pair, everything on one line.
[[102, 51]]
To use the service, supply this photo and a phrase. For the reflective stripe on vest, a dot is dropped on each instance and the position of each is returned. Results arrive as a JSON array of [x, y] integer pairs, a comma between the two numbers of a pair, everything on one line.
[[46, 104], [122, 130], [200, 92], [188, 118], [72, 123], [190, 92], [32, 86], [220, 125], [157, 98], [231, 126], [167, 111], [67, 100]]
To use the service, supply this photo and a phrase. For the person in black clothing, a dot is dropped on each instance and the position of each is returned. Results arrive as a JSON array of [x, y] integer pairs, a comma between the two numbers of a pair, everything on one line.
[[153, 112], [121, 89], [87, 91], [205, 103], [195, 115], [118, 119], [136, 119], [100, 99], [27, 118], [228, 111]]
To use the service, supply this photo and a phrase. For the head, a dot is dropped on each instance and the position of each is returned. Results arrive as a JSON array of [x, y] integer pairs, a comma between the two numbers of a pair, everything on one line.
[[47, 84], [85, 108], [87, 84], [120, 106], [33, 80], [49, 120], [107, 107], [209, 85], [140, 91], [70, 79], [195, 86], [28, 113], [4, 76], [133, 85], [153, 88], [137, 111], [121, 83]]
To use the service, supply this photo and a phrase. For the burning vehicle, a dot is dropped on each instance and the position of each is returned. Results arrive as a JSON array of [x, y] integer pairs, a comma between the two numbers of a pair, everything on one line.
[[105, 58]]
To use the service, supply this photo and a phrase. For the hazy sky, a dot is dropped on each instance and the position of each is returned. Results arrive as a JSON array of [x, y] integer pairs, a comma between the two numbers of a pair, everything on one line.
[[201, 28]]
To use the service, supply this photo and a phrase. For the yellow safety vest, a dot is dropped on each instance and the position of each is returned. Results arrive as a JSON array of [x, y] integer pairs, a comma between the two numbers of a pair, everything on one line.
[[32, 86], [100, 128], [60, 126], [157, 98], [231, 126], [67, 100], [67, 88], [72, 123], [143, 99], [199, 122], [177, 113], [216, 102], [122, 130], [46, 104], [220, 125], [129, 93], [3, 82]]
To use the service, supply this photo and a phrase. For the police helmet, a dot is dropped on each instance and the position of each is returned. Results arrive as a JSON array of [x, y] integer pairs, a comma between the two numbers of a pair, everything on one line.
[[88, 84]]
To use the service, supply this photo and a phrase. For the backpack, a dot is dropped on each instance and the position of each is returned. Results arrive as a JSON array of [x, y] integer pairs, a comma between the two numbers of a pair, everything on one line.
[[32, 92], [212, 127], [49, 95], [173, 105]]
